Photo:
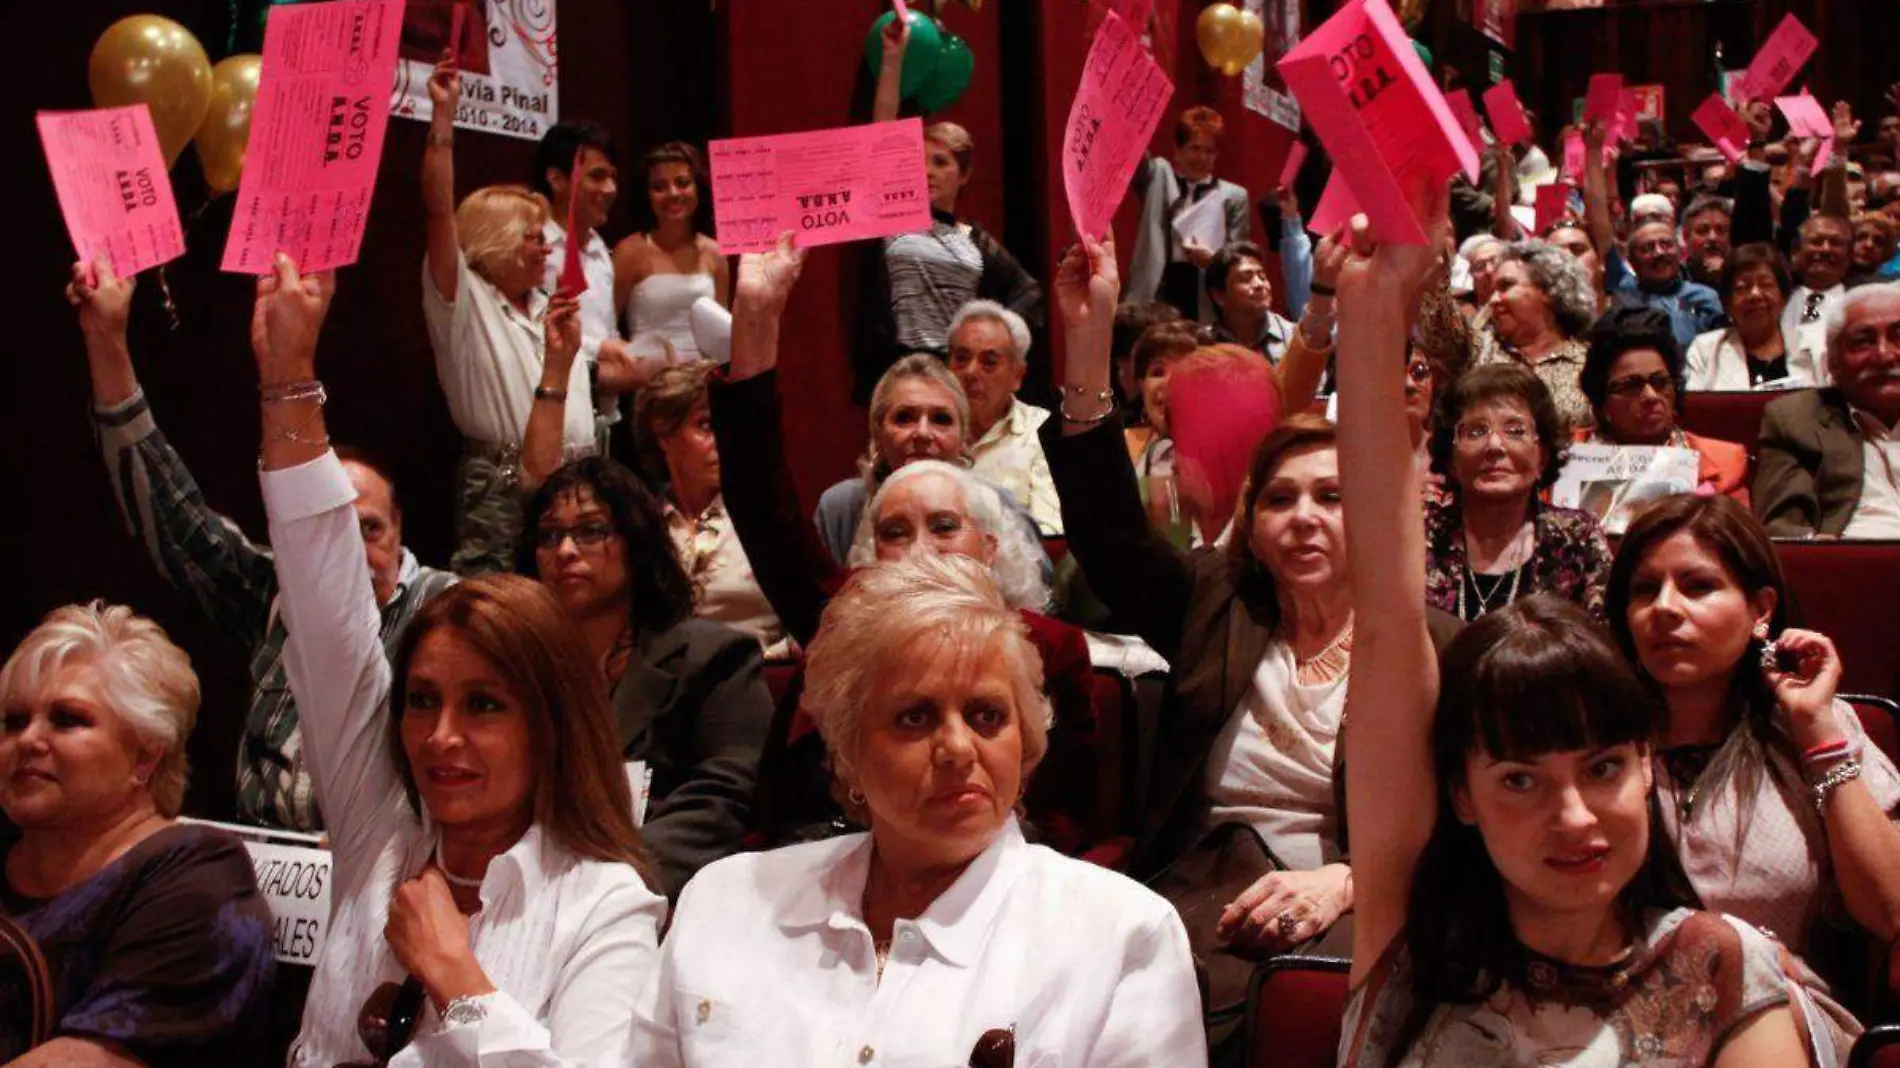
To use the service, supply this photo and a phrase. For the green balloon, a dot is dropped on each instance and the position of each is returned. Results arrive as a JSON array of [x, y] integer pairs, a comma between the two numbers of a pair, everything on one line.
[[955, 65], [920, 56], [1424, 54]]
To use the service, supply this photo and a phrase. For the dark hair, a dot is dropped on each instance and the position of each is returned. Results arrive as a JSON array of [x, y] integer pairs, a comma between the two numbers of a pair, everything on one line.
[[1177, 338], [580, 795], [1706, 203], [1490, 380], [1748, 257], [1538, 676], [1252, 580], [673, 152], [1624, 330], [662, 594], [1225, 259], [1198, 119], [362, 457], [557, 147]]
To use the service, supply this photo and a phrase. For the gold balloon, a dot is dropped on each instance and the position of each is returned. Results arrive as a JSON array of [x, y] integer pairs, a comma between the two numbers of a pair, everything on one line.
[[1253, 37], [146, 59], [226, 131], [1229, 37]]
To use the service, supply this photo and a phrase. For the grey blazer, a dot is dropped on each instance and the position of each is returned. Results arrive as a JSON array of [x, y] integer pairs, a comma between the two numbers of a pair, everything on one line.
[[1809, 464], [693, 705], [1158, 186]]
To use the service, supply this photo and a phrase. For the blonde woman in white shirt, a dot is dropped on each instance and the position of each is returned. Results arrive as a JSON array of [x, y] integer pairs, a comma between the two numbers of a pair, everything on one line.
[[941, 932], [488, 900], [482, 301]]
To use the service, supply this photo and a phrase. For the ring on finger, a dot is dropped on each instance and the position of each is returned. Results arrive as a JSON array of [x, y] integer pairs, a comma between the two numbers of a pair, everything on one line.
[[1287, 923]]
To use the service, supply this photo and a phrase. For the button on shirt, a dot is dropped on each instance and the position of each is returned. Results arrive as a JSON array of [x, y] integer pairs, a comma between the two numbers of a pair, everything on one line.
[[488, 356], [1010, 457], [724, 587], [570, 944], [597, 303], [1878, 513], [769, 963]]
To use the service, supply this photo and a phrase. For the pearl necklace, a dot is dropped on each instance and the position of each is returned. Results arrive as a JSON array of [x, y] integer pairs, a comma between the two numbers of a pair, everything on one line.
[[454, 879]]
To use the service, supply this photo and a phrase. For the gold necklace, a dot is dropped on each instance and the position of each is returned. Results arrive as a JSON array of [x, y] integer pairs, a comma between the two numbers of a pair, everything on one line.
[[1327, 664]]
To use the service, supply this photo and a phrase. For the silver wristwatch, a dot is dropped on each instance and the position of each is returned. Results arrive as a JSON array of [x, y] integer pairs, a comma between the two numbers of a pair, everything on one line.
[[468, 1009]]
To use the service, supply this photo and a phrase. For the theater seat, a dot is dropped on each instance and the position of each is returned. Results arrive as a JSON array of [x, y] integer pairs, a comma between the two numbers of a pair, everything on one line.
[[1293, 1013], [1727, 416], [1846, 590], [1880, 717], [1878, 1048]]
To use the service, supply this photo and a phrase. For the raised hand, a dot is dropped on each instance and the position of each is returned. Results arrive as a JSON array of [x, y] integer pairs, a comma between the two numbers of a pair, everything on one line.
[[562, 331], [287, 318], [896, 38], [1846, 126], [1760, 117], [103, 298], [445, 82], [1805, 690], [766, 278], [1088, 283]]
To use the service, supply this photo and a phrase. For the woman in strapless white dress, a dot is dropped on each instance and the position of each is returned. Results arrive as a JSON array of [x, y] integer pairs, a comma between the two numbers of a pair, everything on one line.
[[661, 270]]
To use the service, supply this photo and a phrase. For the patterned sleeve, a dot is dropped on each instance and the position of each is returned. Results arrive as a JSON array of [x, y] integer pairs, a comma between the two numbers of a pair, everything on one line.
[[1594, 549], [201, 553], [1444, 335], [1877, 771]]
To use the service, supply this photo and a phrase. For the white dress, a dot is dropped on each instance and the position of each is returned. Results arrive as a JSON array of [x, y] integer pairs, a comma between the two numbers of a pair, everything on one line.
[[661, 305]]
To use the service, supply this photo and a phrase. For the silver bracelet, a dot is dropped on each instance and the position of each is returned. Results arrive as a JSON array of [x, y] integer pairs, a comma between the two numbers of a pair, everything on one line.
[[1102, 396], [1837, 776], [467, 1009], [289, 392]]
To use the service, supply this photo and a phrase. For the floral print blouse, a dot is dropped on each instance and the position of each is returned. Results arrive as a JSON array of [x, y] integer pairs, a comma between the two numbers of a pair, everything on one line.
[[1570, 556]]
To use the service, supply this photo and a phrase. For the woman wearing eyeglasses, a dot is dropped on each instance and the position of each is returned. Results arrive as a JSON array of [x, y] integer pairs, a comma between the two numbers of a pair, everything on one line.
[[1499, 440], [1634, 379], [488, 901]]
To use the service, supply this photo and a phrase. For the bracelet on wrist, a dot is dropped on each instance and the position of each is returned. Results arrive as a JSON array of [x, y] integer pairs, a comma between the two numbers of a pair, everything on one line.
[[441, 140], [308, 389], [1323, 290], [1828, 752], [1103, 397], [543, 393], [1838, 776]]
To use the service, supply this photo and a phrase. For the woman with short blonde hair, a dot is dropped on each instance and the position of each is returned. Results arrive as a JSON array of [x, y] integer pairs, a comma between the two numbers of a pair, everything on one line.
[[155, 942], [493, 221]]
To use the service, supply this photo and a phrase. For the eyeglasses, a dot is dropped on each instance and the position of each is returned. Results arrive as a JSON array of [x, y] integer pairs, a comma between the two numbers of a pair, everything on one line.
[[387, 1020], [1632, 385], [586, 535], [1475, 435], [1418, 371]]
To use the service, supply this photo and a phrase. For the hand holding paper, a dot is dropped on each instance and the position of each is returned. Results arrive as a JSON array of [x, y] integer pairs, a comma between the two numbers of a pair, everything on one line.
[[1781, 58], [1508, 120], [1806, 119], [109, 175], [573, 277], [1725, 128], [826, 186], [103, 298], [1116, 109], [1204, 223]]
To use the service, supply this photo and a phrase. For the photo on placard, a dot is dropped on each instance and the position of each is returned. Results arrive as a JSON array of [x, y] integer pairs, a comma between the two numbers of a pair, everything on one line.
[[426, 25]]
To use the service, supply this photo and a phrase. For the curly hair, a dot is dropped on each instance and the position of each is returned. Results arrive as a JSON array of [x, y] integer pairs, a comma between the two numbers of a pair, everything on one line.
[[1573, 302], [1484, 382], [1018, 564], [662, 594], [1625, 330]]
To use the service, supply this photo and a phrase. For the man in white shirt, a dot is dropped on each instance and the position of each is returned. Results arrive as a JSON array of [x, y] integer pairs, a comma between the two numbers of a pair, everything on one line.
[[615, 370], [989, 352], [1830, 458], [1821, 259]]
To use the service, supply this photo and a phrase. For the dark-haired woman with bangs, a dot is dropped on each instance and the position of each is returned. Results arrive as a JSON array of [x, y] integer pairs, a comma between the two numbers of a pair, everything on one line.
[[689, 699], [1512, 904]]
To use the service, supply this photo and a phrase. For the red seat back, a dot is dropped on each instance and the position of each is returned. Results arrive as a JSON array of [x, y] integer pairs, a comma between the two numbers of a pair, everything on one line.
[[1880, 717], [1726, 416], [1850, 591], [1293, 1018]]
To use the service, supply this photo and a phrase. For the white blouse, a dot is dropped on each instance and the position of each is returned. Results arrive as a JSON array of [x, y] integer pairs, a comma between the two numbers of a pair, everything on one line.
[[1716, 361], [570, 944], [769, 963]]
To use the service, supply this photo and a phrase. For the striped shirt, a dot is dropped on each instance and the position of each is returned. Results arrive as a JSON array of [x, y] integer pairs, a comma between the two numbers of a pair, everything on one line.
[[933, 273]]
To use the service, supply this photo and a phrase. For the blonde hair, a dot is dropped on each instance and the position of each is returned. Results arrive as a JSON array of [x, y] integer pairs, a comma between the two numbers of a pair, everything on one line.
[[871, 629], [670, 396], [493, 221], [145, 680], [917, 365], [955, 140]]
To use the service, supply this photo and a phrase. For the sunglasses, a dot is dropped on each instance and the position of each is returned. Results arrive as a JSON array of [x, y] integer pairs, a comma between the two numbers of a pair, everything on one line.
[[387, 1020]]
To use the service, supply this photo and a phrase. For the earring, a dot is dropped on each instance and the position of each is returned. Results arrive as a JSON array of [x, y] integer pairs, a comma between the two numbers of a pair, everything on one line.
[[855, 795], [1761, 631]]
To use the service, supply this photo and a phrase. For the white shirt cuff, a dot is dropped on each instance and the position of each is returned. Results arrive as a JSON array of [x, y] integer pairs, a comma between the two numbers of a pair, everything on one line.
[[309, 489]]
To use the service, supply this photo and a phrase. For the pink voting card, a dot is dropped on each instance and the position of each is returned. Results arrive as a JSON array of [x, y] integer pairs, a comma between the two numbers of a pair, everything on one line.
[[826, 186], [1290, 170], [1806, 118], [110, 178], [1462, 109], [1573, 155], [903, 11], [1781, 57], [1602, 100], [1114, 114], [1374, 106], [1726, 129], [1508, 121], [1336, 206], [1553, 201], [316, 135], [1135, 12], [1624, 129], [458, 17], [573, 280]]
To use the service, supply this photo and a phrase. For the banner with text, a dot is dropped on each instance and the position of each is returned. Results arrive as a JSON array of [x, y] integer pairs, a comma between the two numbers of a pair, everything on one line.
[[507, 59]]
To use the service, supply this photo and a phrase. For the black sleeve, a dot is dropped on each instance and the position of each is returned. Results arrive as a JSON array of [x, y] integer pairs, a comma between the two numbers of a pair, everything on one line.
[[1754, 216]]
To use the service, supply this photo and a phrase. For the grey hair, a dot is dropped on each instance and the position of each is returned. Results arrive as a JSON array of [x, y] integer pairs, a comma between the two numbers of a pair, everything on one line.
[[144, 679], [870, 631], [1834, 320], [990, 311], [1018, 565], [1472, 244], [1573, 304], [917, 365]]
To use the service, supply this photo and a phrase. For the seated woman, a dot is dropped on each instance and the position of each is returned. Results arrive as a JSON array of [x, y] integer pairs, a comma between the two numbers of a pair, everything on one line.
[[690, 704], [944, 509], [665, 267], [1753, 351], [1540, 305], [1511, 903], [1780, 808], [488, 898], [1634, 379], [913, 284], [1572, 236], [129, 938], [927, 692], [1499, 441], [482, 301], [673, 423]]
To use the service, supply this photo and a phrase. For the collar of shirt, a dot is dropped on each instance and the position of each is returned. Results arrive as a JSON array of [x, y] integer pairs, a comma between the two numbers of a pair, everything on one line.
[[1014, 423], [678, 520], [555, 234], [955, 926], [525, 866], [1872, 428], [406, 573]]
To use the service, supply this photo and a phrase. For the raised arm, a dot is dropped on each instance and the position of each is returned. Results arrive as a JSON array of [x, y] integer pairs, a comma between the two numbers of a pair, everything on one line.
[[1296, 253], [1596, 194], [444, 248], [541, 442], [1503, 195], [198, 551], [890, 75], [1391, 791]]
